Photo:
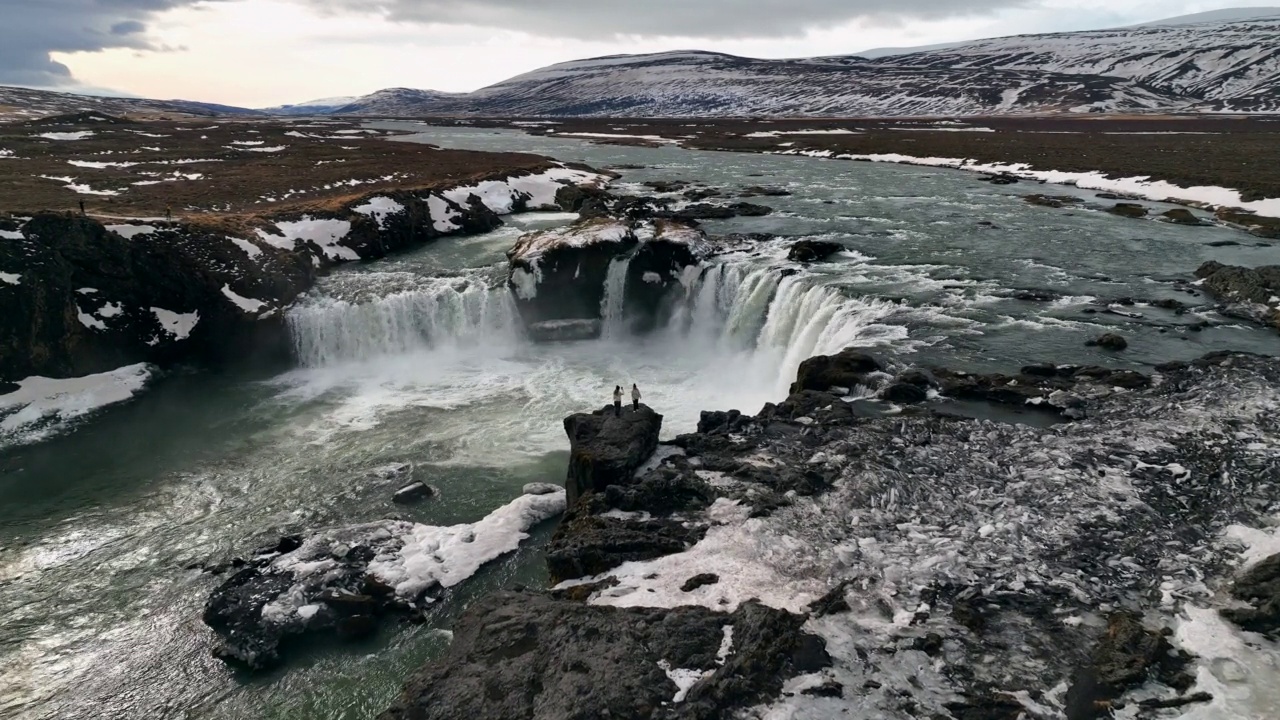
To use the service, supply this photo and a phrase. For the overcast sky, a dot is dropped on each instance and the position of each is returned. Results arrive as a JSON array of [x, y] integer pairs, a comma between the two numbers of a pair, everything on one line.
[[266, 52]]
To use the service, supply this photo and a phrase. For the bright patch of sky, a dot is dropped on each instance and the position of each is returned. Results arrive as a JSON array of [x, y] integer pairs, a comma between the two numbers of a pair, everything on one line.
[[259, 53]]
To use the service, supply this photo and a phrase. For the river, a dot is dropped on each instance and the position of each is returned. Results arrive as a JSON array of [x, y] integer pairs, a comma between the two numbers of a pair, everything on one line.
[[420, 359]]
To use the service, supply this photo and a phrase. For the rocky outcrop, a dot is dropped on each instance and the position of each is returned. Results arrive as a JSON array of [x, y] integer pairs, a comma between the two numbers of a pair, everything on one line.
[[605, 449], [343, 581], [1259, 588], [522, 655], [1129, 210], [1251, 293], [1109, 341], [1053, 201], [561, 277], [1259, 225], [560, 274], [808, 251], [79, 298], [1181, 216], [847, 369]]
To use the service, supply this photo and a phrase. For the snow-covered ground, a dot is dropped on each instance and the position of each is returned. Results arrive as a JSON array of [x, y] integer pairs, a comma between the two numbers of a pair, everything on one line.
[[42, 406]]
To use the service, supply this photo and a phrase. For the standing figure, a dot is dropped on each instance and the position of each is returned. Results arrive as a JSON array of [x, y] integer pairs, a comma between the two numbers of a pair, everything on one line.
[[635, 397], [82, 207], [617, 401], [168, 212]]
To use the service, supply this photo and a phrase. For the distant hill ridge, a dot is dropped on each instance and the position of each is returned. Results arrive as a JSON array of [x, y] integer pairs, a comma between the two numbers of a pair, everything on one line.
[[1223, 61]]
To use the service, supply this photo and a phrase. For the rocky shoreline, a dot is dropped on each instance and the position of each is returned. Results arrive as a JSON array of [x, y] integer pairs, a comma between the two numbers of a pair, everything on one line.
[[1088, 603], [822, 557], [81, 296]]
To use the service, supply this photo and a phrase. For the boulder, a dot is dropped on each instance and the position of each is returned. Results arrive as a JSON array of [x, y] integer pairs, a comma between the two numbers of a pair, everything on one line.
[[1129, 210], [761, 191], [605, 450], [571, 198], [698, 581], [1053, 201], [1181, 216], [846, 369], [813, 250], [516, 656], [1109, 341], [1260, 589], [412, 493], [587, 544], [706, 211], [904, 393]]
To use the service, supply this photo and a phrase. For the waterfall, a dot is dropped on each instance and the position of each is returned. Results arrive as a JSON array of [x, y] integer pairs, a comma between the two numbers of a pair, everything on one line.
[[613, 304], [330, 331], [773, 322]]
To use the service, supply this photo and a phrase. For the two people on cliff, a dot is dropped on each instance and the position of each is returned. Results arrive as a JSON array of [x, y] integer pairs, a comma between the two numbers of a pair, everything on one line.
[[617, 399]]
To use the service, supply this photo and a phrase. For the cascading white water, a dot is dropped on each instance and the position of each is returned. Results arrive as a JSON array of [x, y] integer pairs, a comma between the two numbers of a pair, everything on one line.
[[449, 314], [774, 323], [613, 304]]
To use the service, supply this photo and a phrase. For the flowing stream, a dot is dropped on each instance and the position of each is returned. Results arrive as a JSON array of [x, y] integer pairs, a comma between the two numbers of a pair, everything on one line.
[[421, 359]]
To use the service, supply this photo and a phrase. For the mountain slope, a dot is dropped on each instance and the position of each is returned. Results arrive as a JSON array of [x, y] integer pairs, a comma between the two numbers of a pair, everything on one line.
[[23, 103], [1223, 64], [1231, 65], [323, 106]]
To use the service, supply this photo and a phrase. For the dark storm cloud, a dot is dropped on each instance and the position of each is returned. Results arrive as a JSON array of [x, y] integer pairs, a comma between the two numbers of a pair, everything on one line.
[[31, 29], [717, 19]]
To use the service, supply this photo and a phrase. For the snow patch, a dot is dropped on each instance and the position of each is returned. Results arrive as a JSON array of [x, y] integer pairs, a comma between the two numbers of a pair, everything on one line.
[[249, 248], [131, 231], [10, 278], [78, 135], [380, 208], [40, 404], [248, 305], [322, 232], [179, 325]]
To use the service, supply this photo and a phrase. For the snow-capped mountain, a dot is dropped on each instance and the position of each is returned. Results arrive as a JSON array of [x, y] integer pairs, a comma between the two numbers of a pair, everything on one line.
[[1220, 65], [1226, 61], [323, 106], [23, 103]]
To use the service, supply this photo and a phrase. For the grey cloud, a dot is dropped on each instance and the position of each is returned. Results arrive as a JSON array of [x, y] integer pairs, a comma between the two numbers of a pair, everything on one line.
[[716, 19], [128, 27], [35, 28]]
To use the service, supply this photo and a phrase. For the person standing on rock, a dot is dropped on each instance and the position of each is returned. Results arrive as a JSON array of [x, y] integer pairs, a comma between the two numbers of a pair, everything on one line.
[[617, 401], [635, 397]]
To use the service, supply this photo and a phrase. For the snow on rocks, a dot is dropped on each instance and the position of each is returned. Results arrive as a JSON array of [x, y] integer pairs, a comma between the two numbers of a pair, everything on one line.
[[978, 551], [1143, 187], [131, 231], [531, 192], [248, 305], [379, 208], [10, 278], [42, 406], [77, 135], [253, 251], [324, 233], [444, 216], [341, 579], [177, 325]]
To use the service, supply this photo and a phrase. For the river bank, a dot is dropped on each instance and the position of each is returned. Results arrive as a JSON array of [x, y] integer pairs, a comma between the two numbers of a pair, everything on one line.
[[1227, 162]]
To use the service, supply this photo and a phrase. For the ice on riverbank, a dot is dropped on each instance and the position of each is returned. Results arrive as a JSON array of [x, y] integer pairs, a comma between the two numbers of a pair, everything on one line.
[[42, 406]]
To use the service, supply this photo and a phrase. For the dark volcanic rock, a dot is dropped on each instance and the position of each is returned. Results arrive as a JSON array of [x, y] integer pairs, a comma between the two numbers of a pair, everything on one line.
[[1248, 292], [1181, 216], [412, 493], [1109, 341], [1261, 226], [1126, 656], [761, 191], [1129, 210], [1053, 201], [605, 450], [517, 656], [85, 297], [1259, 587], [705, 211], [813, 250], [846, 369], [698, 581], [559, 274], [903, 392]]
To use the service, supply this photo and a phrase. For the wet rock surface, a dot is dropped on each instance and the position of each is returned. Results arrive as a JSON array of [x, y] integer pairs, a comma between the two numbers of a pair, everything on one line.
[[1250, 293], [968, 539], [525, 655]]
